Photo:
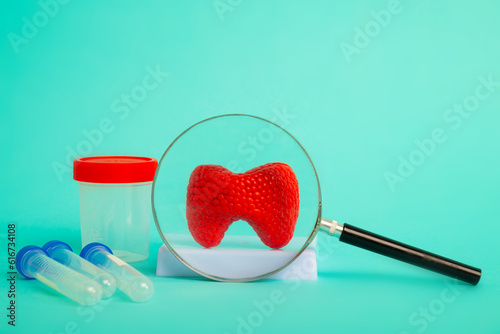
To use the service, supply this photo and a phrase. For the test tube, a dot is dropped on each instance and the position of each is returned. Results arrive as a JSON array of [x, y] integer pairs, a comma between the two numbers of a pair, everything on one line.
[[134, 284], [62, 253], [33, 263]]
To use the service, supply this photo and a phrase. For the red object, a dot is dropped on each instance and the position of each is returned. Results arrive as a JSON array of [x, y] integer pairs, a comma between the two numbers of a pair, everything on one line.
[[117, 169], [266, 197]]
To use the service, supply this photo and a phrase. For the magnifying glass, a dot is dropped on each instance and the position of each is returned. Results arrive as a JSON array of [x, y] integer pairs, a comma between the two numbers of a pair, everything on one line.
[[230, 147]]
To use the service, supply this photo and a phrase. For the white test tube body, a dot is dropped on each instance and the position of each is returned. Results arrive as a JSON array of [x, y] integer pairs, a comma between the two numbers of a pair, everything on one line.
[[75, 262], [36, 264], [134, 284]]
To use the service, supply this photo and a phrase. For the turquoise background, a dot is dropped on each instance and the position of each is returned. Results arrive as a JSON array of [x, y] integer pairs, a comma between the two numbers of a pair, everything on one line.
[[356, 115]]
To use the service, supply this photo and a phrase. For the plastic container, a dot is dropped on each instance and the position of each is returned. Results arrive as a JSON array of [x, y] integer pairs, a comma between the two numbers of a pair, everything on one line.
[[115, 203]]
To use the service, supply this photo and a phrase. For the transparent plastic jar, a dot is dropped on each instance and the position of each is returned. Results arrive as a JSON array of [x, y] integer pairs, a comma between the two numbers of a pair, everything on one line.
[[115, 203]]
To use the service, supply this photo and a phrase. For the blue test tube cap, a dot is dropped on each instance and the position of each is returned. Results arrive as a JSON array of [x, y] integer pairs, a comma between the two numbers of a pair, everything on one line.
[[53, 245], [93, 246], [23, 255]]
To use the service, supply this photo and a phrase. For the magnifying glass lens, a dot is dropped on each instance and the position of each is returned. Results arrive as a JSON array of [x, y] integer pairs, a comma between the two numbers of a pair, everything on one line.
[[223, 198]]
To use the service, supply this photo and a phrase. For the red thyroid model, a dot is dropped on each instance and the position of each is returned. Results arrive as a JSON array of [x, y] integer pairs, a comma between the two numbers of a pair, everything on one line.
[[266, 197]]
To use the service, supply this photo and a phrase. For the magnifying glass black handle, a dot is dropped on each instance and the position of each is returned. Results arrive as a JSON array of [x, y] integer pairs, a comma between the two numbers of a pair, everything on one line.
[[358, 237]]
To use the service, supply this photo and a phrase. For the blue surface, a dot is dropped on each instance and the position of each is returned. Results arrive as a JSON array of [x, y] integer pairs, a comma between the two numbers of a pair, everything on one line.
[[402, 128]]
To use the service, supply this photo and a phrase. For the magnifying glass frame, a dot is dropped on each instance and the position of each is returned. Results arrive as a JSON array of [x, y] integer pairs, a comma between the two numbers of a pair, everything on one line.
[[218, 278]]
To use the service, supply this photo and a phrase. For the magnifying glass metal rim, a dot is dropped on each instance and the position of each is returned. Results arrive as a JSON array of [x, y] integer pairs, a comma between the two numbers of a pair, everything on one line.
[[218, 278]]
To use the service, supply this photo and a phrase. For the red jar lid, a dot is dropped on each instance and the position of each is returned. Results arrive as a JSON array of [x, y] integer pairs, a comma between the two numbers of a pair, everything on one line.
[[114, 169]]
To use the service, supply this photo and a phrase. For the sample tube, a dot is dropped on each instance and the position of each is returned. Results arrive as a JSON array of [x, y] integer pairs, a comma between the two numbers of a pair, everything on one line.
[[62, 253], [33, 263], [134, 284]]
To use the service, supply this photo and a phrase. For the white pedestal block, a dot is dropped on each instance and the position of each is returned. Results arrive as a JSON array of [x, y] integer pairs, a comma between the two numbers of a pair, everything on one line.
[[222, 260]]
